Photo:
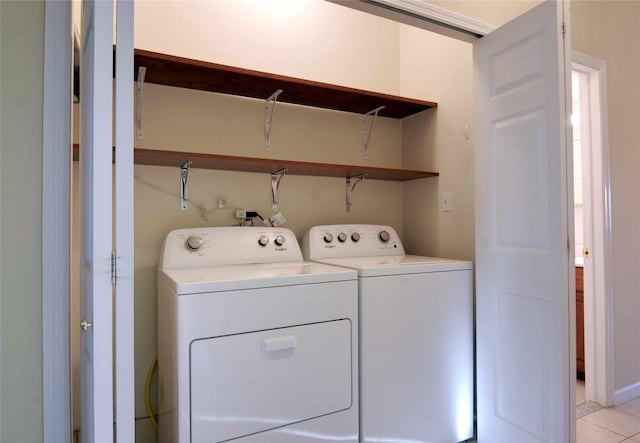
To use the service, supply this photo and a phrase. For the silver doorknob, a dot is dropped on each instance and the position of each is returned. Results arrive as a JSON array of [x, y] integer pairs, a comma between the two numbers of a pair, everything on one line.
[[85, 324]]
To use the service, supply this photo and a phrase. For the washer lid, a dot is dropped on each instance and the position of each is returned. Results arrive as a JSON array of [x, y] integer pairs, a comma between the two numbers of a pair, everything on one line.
[[263, 275], [396, 265]]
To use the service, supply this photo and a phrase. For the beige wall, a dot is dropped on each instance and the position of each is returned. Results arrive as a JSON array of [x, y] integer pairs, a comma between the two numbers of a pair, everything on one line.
[[608, 30], [302, 38], [188, 120], [440, 68], [22, 43]]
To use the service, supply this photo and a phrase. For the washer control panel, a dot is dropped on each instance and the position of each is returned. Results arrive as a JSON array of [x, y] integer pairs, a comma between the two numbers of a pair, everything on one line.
[[228, 246], [332, 241]]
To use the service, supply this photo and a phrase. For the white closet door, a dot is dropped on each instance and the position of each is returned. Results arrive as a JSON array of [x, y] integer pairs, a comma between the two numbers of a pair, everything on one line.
[[97, 299], [524, 281], [95, 187], [124, 331]]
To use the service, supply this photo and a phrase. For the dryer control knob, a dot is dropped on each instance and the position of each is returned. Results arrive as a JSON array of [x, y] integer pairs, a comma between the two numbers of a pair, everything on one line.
[[194, 242], [263, 240], [279, 240], [384, 236], [328, 237], [342, 237], [355, 237]]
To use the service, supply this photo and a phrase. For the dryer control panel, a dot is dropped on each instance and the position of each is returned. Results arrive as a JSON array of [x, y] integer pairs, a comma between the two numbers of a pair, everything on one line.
[[228, 246], [334, 241]]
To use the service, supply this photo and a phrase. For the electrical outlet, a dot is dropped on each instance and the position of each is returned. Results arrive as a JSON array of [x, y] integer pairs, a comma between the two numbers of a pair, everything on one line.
[[447, 201], [241, 213]]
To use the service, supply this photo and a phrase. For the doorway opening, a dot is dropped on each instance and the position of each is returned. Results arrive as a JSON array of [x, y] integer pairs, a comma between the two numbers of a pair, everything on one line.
[[592, 234]]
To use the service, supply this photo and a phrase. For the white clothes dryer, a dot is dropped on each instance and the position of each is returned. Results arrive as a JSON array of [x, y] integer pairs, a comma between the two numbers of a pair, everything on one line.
[[416, 335], [254, 345]]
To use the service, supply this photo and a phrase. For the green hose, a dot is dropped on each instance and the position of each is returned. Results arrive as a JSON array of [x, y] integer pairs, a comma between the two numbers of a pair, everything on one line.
[[152, 415]]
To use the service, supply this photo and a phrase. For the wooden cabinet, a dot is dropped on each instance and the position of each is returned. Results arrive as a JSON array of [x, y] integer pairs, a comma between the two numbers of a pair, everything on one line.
[[580, 322]]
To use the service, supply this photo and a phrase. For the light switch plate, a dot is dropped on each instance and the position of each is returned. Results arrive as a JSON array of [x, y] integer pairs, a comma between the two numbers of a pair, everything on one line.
[[447, 202]]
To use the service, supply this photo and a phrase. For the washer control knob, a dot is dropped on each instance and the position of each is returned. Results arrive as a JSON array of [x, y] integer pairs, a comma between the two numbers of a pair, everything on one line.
[[342, 237], [194, 242], [328, 237], [263, 240], [279, 240], [384, 236], [355, 237]]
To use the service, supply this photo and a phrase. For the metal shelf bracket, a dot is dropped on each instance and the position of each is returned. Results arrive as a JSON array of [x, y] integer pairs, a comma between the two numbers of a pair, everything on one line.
[[350, 188], [184, 175], [276, 177], [367, 129], [269, 107], [139, 87]]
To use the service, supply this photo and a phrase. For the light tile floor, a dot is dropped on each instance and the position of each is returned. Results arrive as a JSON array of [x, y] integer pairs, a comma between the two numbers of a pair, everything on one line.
[[609, 425], [580, 397]]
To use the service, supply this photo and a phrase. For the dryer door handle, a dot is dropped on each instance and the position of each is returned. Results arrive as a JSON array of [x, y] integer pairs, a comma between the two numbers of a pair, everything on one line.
[[280, 343]]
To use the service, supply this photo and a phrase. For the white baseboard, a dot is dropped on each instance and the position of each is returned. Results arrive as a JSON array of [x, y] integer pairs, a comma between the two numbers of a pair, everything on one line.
[[625, 394]]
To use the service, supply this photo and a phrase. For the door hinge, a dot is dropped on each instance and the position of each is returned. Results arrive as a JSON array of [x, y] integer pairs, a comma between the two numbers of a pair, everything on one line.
[[568, 245], [564, 28], [113, 268]]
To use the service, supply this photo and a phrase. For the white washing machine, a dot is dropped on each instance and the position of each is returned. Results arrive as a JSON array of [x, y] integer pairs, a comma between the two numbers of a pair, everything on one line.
[[416, 335], [254, 345]]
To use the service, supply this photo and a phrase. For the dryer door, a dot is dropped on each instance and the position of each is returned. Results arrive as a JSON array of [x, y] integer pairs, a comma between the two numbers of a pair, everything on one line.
[[248, 383]]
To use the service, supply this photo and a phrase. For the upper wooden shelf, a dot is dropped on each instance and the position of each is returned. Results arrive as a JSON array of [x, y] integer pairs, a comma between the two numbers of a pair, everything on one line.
[[156, 157], [182, 72]]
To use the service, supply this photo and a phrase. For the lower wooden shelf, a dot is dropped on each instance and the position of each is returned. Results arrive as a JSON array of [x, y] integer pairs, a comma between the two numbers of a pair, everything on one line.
[[155, 157]]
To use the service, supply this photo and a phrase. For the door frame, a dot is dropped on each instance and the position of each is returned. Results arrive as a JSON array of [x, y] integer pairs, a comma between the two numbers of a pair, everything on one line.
[[56, 197], [598, 291]]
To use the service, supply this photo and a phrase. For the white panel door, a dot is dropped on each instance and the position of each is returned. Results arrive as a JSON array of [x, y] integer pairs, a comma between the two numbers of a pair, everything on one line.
[[124, 331], [95, 185], [524, 281], [96, 123]]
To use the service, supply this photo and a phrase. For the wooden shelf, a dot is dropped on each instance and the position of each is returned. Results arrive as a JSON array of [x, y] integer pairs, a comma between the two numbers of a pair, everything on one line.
[[157, 157], [182, 72]]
